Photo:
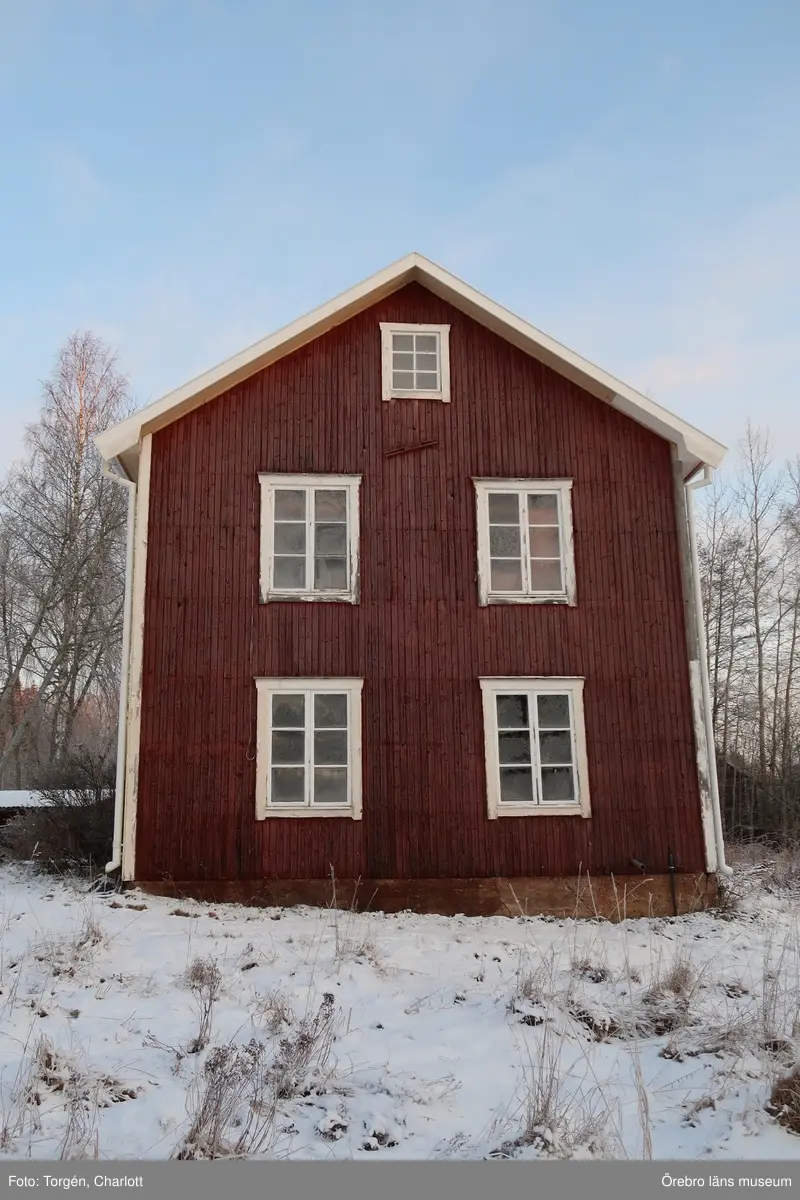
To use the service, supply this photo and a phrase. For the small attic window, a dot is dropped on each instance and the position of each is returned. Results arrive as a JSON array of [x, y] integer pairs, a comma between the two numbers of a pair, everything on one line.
[[415, 361]]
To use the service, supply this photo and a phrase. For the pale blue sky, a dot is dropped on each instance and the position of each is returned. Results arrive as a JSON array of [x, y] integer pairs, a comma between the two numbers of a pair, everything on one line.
[[183, 176]]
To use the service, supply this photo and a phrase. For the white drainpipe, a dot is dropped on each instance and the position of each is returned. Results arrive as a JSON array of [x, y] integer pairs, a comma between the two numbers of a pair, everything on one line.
[[702, 653], [119, 796]]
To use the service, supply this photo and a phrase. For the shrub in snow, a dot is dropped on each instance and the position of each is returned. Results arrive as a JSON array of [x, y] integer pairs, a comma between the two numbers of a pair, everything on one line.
[[275, 1010], [232, 1105], [302, 1062], [68, 954], [204, 979], [55, 1086], [558, 1118], [71, 828], [784, 1102]]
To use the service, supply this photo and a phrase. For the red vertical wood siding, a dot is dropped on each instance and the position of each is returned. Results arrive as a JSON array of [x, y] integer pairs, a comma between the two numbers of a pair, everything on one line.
[[417, 637]]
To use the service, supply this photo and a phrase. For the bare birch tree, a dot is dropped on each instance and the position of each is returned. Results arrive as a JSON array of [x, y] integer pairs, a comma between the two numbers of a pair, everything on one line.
[[750, 562], [62, 526]]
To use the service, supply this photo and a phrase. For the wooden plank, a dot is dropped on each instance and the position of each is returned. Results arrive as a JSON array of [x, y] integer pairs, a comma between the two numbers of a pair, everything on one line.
[[134, 711], [612, 898]]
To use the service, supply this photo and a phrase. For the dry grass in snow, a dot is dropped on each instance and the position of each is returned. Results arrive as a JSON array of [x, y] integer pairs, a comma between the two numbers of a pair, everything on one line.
[[132, 1027]]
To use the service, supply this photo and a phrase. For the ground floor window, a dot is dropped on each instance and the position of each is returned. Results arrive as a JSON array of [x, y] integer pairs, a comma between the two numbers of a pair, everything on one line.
[[308, 749], [535, 746]]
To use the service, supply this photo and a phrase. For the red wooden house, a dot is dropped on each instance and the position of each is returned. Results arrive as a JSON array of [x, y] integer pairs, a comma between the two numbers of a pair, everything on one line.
[[413, 601]]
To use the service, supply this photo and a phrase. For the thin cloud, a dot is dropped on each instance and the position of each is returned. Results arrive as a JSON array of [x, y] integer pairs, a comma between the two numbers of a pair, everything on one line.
[[700, 313], [76, 186]]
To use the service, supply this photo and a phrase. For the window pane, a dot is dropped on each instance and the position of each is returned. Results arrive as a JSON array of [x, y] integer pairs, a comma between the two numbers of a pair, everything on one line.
[[402, 341], [506, 575], [403, 380], [403, 362], [289, 572], [427, 382], [558, 785], [288, 746], [330, 574], [543, 510], [427, 343], [330, 506], [512, 712], [330, 712], [555, 747], [289, 505], [515, 747], [545, 576], [330, 747], [516, 785], [288, 785], [330, 539], [290, 539], [503, 509], [544, 542], [425, 362], [553, 712], [504, 541], [330, 785], [288, 712]]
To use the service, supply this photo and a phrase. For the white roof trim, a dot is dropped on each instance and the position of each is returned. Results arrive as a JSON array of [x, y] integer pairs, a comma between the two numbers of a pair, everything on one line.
[[694, 447]]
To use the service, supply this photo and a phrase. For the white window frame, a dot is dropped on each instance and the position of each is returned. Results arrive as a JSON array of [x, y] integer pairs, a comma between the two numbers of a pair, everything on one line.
[[267, 688], [532, 686], [562, 489], [269, 483], [392, 393]]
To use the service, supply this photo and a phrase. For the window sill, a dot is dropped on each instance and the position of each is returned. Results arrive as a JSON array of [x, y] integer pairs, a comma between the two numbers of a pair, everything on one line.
[[555, 598], [310, 597], [309, 813], [539, 810], [397, 394]]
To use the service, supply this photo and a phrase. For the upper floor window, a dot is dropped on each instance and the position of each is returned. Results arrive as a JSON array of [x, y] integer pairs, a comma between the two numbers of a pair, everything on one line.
[[309, 537], [525, 549], [415, 361]]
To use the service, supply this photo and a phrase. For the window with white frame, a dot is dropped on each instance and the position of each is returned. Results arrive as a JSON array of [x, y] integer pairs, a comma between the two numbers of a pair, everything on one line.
[[309, 537], [535, 747], [415, 361], [525, 547], [308, 748]]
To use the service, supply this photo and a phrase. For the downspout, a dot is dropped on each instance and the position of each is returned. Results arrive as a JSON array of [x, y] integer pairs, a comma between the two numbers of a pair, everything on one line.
[[115, 471], [702, 653]]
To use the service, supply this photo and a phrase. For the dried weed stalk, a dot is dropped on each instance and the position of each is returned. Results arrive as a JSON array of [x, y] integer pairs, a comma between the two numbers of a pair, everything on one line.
[[204, 979]]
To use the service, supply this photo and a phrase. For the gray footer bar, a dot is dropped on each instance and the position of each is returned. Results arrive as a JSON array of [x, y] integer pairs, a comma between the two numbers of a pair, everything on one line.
[[502, 1180]]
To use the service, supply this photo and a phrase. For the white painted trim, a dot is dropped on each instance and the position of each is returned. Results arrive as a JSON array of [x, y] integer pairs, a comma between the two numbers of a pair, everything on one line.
[[349, 483], [533, 685], [136, 660], [389, 392], [703, 773], [702, 654], [119, 477], [265, 689], [694, 446], [562, 488], [695, 678]]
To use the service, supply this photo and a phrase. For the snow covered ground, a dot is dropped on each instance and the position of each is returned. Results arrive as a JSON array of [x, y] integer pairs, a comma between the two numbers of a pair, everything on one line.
[[339, 1036]]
